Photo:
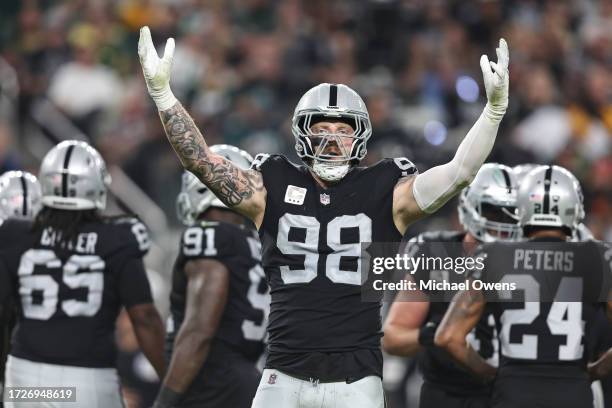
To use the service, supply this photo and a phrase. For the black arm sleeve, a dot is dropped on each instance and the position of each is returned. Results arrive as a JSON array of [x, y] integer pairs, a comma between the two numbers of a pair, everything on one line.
[[134, 288]]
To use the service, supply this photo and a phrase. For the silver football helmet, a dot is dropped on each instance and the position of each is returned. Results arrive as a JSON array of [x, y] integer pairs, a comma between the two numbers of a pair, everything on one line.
[[20, 195], [550, 196], [73, 176], [487, 207], [331, 102], [195, 197], [521, 170]]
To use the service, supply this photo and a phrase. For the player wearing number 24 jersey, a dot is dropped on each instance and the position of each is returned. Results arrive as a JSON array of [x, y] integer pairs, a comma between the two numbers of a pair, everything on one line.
[[311, 220], [219, 302], [71, 271], [542, 349]]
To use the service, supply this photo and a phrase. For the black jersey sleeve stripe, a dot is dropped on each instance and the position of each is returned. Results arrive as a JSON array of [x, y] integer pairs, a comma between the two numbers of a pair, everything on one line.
[[65, 171], [333, 95], [24, 201], [547, 183]]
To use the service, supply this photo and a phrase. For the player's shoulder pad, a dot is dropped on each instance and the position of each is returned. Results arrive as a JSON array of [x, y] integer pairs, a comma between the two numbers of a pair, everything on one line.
[[210, 239], [133, 231], [403, 165], [264, 161]]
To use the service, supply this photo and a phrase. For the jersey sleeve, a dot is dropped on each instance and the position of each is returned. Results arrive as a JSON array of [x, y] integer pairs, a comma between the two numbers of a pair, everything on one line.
[[403, 167], [134, 236], [134, 242], [605, 250], [134, 287], [208, 240]]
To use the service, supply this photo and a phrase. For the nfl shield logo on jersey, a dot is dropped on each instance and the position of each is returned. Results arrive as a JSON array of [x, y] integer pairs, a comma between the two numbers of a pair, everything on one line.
[[272, 379], [325, 200]]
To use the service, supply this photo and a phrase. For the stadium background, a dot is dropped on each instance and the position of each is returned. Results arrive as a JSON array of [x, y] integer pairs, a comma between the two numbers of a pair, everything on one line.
[[69, 69]]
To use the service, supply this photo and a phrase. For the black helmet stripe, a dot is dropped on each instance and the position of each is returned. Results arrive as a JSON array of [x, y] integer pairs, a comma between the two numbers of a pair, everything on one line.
[[507, 180], [65, 172], [24, 201], [547, 183], [333, 95]]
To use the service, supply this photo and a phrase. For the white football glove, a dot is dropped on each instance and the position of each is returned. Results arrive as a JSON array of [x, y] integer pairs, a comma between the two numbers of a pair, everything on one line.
[[156, 70], [496, 79]]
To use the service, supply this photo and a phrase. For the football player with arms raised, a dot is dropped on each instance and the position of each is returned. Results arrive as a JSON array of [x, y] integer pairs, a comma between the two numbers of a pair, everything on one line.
[[542, 349], [486, 211], [219, 302], [72, 270], [324, 342]]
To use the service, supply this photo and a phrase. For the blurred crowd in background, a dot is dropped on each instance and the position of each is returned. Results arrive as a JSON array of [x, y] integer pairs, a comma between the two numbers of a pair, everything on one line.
[[241, 66]]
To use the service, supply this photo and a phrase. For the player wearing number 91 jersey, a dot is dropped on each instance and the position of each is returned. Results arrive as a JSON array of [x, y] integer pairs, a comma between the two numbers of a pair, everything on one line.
[[542, 322], [219, 302], [71, 271]]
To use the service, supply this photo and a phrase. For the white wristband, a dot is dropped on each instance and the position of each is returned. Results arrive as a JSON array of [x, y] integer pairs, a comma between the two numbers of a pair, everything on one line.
[[163, 99]]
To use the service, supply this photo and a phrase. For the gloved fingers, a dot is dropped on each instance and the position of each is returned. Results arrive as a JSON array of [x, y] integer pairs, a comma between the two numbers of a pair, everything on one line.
[[498, 70], [484, 65], [503, 54], [145, 44], [169, 51]]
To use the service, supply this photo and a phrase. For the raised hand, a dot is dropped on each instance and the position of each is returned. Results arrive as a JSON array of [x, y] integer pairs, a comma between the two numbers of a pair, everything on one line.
[[156, 70], [496, 79]]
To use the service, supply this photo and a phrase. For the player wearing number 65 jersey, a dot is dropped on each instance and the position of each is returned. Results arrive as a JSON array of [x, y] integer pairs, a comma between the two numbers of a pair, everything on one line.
[[219, 302], [324, 342], [71, 271], [542, 323]]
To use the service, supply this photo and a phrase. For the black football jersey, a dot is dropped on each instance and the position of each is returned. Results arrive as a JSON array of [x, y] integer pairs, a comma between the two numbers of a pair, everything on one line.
[[437, 365], [558, 286], [68, 296], [243, 323], [311, 238]]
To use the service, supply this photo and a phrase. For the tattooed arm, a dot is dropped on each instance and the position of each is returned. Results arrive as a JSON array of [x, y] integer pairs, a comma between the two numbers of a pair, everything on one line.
[[242, 190], [461, 317], [239, 189]]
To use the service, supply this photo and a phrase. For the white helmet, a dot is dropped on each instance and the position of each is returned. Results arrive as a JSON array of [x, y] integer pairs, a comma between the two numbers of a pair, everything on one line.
[[73, 176], [20, 195], [550, 196], [195, 197], [521, 170], [332, 102], [487, 207]]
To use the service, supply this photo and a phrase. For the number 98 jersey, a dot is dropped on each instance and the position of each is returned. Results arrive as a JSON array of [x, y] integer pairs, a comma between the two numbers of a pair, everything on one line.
[[69, 296], [311, 238]]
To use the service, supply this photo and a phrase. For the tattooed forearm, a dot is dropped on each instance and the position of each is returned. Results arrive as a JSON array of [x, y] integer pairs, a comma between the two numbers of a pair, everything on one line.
[[230, 183]]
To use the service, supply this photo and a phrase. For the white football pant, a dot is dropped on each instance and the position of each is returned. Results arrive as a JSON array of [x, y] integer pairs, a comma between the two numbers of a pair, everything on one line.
[[95, 387], [279, 390]]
